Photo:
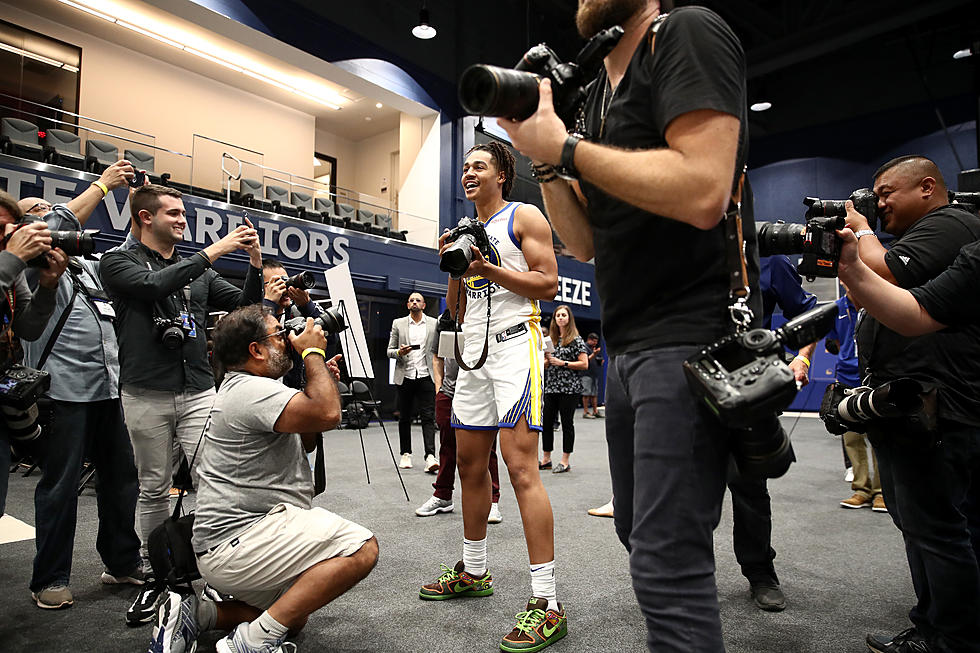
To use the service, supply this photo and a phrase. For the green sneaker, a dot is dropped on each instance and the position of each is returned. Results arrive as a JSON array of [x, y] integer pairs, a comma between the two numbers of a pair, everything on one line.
[[537, 628], [455, 582]]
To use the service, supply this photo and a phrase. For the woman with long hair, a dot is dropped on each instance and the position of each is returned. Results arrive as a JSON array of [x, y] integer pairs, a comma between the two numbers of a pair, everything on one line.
[[562, 386]]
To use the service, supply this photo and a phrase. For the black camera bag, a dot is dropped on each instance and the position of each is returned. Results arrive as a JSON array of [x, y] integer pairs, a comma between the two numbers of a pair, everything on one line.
[[171, 552]]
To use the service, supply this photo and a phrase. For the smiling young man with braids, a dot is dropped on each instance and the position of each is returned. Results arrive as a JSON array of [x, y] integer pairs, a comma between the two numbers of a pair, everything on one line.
[[505, 393]]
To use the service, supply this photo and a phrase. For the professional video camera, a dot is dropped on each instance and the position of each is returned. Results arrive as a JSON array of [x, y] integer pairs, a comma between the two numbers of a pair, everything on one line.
[[331, 321], [746, 382], [817, 239], [72, 243], [845, 409], [20, 388], [301, 280], [494, 91], [468, 233]]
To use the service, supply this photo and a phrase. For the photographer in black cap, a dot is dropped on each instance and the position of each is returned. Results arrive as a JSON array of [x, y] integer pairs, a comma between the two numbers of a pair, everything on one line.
[[926, 473], [667, 128]]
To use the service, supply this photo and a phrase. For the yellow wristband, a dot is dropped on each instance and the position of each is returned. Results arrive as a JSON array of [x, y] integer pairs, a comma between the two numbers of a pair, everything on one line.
[[803, 358], [314, 350], [102, 187]]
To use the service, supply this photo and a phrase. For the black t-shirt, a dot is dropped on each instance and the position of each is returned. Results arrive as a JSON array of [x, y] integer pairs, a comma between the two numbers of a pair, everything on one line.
[[948, 359], [663, 282], [951, 298]]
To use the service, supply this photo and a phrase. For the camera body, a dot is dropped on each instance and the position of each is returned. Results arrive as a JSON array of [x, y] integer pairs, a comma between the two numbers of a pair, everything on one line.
[[457, 258], [72, 243], [301, 280], [816, 240], [20, 388], [139, 179], [331, 321], [513, 93], [172, 330]]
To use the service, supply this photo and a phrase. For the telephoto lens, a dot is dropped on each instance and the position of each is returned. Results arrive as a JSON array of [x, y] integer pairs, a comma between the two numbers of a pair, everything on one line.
[[779, 237], [763, 450], [331, 321], [301, 280], [494, 91]]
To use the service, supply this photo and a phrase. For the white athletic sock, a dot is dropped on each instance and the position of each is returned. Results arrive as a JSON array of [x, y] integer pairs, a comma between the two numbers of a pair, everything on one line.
[[207, 615], [543, 583], [264, 629], [475, 557]]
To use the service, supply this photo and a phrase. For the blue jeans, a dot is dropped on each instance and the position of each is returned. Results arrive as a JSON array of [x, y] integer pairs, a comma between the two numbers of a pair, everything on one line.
[[98, 427], [928, 491], [668, 458]]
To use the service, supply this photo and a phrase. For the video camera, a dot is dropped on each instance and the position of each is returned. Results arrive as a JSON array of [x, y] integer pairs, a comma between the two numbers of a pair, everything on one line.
[[817, 239], [20, 388], [494, 91], [72, 243], [468, 233], [746, 382], [853, 409], [331, 321]]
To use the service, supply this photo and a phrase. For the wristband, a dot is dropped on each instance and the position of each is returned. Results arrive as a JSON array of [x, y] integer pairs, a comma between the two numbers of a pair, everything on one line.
[[207, 259], [314, 350], [102, 187], [863, 232], [568, 155], [801, 357]]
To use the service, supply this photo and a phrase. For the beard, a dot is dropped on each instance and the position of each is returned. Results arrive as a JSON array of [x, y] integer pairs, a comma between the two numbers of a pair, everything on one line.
[[593, 16], [279, 363]]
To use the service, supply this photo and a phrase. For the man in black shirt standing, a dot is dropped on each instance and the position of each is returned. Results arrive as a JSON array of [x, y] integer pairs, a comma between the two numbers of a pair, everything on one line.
[[926, 477], [167, 386], [666, 123]]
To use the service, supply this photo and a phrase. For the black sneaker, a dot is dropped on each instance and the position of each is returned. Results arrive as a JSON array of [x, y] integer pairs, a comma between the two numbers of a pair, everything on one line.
[[907, 641], [768, 597], [147, 603]]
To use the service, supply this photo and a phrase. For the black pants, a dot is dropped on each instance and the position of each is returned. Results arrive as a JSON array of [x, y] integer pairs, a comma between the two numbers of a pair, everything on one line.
[[667, 457], [417, 394], [752, 530], [928, 490], [564, 405]]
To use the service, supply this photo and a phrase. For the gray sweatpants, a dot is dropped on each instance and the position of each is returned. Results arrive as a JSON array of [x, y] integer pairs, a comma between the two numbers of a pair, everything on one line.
[[155, 419]]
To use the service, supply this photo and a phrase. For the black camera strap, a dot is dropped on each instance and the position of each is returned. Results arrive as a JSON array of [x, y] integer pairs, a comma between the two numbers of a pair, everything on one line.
[[190, 463], [738, 277], [62, 320], [486, 336]]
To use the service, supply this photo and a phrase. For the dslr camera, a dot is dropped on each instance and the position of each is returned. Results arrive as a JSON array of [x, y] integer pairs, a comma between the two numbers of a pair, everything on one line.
[[173, 331], [853, 409], [745, 381], [468, 233], [493, 91], [817, 238], [20, 388], [331, 321], [72, 243], [301, 280]]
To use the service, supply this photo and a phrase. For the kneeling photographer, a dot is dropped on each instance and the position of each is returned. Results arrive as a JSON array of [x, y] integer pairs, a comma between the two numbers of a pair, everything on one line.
[[256, 533], [929, 458], [24, 312]]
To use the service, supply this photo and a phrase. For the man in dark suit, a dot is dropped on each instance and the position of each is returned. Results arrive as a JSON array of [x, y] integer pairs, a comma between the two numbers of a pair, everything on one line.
[[412, 338]]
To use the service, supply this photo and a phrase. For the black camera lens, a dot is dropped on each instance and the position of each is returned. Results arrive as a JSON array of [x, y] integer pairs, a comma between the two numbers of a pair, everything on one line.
[[73, 243], [301, 280], [763, 450], [779, 238], [458, 256], [172, 337], [494, 91]]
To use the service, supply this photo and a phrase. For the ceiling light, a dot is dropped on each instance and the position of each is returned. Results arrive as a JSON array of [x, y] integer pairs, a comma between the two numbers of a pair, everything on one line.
[[423, 30], [325, 103], [31, 55], [208, 57], [378, 105], [761, 106], [98, 14], [152, 35], [963, 54], [367, 118]]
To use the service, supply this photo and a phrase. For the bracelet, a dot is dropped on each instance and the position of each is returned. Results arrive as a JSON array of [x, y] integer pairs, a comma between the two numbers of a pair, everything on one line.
[[806, 361], [314, 350], [207, 259], [863, 232], [102, 187], [543, 173]]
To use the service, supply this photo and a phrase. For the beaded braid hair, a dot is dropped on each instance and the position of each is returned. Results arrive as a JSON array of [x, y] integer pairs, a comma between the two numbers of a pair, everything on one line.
[[502, 158]]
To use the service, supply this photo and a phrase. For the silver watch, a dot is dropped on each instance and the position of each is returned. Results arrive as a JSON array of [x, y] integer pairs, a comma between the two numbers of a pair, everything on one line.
[[864, 232]]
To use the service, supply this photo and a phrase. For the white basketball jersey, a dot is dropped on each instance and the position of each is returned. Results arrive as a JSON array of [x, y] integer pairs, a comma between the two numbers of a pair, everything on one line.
[[506, 307]]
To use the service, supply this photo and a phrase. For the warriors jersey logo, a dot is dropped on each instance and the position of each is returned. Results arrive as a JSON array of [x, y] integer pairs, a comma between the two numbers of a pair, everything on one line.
[[478, 283]]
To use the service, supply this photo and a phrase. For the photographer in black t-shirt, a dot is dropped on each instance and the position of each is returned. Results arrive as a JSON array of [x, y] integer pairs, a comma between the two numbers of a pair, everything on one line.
[[926, 477], [667, 128]]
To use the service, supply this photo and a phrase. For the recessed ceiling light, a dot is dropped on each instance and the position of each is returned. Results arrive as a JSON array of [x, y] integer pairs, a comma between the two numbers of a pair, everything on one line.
[[761, 106], [963, 54], [368, 118], [378, 105]]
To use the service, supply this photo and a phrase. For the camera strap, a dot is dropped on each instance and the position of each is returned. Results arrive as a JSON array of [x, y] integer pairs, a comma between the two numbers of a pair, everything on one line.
[[190, 464], [486, 336], [738, 289], [49, 345]]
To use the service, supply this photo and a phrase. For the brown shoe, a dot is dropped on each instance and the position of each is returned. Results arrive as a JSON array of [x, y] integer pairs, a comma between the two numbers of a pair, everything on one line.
[[857, 501], [878, 505]]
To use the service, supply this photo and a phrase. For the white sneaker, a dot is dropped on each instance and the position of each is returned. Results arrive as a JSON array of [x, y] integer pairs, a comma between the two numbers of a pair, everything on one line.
[[849, 475], [494, 517], [431, 464], [434, 505], [406, 461]]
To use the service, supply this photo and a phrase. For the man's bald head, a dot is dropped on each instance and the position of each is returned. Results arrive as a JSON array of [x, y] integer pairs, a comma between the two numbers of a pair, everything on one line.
[[34, 206]]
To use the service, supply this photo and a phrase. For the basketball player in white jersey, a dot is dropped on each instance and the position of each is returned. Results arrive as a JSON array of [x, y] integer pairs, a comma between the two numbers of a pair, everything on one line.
[[505, 394]]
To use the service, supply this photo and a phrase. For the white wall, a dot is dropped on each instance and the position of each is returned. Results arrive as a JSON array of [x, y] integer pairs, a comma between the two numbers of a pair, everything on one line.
[[139, 92], [372, 161], [418, 198], [341, 149]]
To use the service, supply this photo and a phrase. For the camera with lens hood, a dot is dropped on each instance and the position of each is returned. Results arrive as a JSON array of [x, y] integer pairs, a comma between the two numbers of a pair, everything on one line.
[[72, 243], [745, 381], [817, 238], [301, 280], [513, 93], [458, 256], [853, 409], [331, 321], [20, 388]]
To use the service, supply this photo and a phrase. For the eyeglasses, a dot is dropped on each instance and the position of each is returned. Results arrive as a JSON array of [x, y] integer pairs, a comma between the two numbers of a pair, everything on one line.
[[44, 205], [281, 333]]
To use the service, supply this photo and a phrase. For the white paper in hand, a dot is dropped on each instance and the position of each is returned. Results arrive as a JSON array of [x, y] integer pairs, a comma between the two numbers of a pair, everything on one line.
[[547, 345], [446, 347]]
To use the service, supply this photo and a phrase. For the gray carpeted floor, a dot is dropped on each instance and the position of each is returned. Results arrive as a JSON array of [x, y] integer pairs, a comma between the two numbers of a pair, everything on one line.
[[843, 571]]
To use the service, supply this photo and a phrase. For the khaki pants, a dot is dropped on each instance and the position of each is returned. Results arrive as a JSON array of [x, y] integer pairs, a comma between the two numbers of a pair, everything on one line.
[[857, 447]]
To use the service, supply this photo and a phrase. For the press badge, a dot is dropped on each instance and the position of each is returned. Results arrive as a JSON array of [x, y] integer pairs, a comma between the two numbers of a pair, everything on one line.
[[104, 308], [187, 322]]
